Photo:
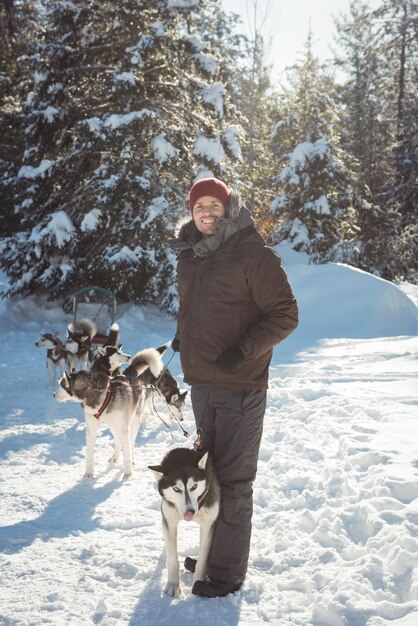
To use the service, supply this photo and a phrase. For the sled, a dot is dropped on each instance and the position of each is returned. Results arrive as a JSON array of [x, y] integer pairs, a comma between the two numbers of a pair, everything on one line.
[[99, 306]]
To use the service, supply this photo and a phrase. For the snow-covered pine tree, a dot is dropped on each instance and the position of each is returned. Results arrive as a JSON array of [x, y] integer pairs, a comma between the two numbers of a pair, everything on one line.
[[378, 50], [318, 195], [397, 43], [19, 28], [364, 131], [126, 110], [256, 100]]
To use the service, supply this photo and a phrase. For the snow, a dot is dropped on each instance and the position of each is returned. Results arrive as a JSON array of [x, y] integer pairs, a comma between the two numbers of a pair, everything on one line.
[[50, 113], [210, 149], [214, 95], [182, 4], [162, 148], [232, 137], [299, 234], [159, 28], [123, 255], [28, 171], [308, 150], [90, 220], [320, 205], [335, 526], [59, 226], [39, 77], [207, 62], [55, 88], [304, 152], [116, 120], [157, 207], [127, 77], [198, 44]]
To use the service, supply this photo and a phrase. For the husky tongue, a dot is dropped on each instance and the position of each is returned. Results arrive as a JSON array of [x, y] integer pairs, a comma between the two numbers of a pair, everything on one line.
[[188, 516]]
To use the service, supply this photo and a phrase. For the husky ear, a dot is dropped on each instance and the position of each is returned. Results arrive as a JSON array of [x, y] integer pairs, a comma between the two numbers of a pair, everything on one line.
[[203, 461], [101, 350], [157, 470], [174, 398], [183, 395]]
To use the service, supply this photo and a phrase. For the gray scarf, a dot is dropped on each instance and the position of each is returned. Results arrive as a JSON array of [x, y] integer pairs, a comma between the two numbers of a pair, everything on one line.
[[227, 226]]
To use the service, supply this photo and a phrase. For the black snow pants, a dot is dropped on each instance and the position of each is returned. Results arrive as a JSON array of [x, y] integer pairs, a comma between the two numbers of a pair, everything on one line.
[[231, 422]]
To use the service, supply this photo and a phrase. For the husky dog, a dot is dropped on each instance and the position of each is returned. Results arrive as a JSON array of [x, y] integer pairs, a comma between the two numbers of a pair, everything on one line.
[[55, 356], [78, 344], [164, 385], [114, 402], [110, 356], [190, 491], [167, 386]]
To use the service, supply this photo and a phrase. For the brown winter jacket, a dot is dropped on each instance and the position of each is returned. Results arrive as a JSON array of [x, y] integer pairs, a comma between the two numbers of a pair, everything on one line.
[[237, 295]]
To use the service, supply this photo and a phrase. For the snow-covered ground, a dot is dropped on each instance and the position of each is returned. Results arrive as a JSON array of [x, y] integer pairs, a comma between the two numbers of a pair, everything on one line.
[[335, 527]]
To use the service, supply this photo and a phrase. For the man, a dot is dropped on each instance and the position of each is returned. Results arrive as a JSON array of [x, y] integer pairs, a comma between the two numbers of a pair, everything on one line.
[[235, 305]]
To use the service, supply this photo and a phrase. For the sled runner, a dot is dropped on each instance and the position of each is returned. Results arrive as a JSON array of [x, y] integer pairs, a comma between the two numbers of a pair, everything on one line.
[[98, 305]]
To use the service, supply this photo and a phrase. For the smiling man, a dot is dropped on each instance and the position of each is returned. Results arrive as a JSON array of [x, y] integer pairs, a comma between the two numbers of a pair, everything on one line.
[[235, 305]]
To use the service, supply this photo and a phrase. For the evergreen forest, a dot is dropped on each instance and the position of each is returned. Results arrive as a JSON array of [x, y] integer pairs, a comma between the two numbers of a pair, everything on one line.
[[109, 111]]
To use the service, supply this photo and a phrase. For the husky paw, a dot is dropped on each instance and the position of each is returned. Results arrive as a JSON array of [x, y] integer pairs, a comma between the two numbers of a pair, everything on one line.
[[89, 475], [126, 476], [113, 459], [173, 590]]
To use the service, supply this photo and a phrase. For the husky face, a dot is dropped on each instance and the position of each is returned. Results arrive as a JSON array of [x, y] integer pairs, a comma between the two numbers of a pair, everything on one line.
[[183, 487], [176, 405], [115, 355], [47, 340], [73, 386], [71, 346], [185, 494]]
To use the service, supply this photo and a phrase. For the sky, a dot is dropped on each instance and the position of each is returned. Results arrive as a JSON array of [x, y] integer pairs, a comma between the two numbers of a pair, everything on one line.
[[287, 25]]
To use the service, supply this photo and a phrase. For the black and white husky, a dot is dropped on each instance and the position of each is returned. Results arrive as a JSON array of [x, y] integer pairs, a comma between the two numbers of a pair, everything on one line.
[[55, 356], [190, 491], [115, 402], [110, 357], [164, 386], [78, 344]]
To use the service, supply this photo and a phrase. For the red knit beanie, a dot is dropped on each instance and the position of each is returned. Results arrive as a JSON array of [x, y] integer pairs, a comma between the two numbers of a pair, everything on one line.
[[208, 187]]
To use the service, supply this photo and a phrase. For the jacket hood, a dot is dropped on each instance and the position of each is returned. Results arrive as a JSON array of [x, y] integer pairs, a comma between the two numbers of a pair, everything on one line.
[[187, 233]]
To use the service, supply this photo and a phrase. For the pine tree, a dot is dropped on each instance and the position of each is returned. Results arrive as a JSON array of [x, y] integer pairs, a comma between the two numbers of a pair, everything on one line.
[[319, 194], [252, 98], [19, 28], [397, 43], [365, 132], [126, 110], [380, 129], [256, 100]]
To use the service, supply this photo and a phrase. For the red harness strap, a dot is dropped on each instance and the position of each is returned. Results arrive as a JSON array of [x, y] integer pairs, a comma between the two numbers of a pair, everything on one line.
[[106, 401], [108, 397]]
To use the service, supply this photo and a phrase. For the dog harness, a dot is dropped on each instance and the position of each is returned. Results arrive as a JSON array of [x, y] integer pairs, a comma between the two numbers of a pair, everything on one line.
[[107, 400], [109, 388]]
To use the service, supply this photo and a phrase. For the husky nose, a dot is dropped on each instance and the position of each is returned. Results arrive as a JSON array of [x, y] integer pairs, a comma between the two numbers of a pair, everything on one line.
[[189, 515]]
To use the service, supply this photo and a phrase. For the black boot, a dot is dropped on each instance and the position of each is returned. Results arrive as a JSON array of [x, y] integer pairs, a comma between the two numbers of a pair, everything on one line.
[[212, 588]]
